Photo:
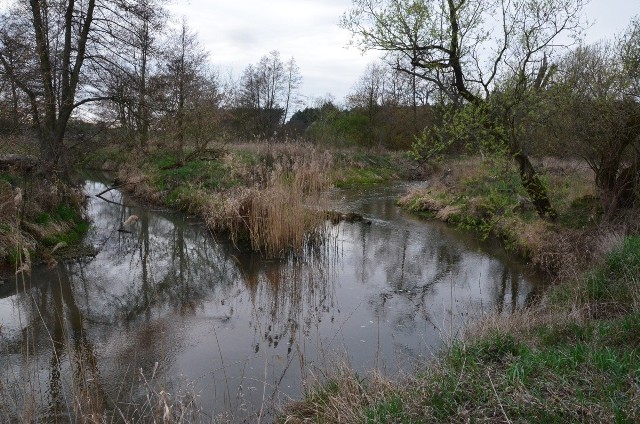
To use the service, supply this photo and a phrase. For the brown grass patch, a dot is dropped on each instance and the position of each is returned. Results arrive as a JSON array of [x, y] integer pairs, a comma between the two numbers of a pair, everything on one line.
[[278, 206], [283, 208]]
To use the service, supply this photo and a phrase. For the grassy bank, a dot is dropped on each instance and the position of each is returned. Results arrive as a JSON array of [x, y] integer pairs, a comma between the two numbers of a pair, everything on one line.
[[269, 196], [573, 358], [486, 196], [41, 218]]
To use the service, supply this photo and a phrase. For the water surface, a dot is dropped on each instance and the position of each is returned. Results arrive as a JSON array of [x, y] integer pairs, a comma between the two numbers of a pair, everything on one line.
[[169, 308]]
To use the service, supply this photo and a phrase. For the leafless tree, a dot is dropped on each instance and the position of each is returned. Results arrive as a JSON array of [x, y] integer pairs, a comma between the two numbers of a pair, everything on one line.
[[267, 91], [62, 54], [139, 31], [187, 92]]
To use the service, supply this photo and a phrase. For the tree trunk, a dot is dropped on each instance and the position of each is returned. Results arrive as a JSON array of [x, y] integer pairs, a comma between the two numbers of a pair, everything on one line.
[[143, 111], [534, 187]]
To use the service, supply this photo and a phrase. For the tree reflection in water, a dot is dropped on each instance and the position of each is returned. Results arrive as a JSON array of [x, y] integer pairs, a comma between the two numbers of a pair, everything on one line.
[[170, 309]]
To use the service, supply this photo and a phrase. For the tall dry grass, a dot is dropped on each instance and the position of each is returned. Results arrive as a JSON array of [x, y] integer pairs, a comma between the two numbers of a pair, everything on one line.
[[9, 220], [278, 205], [285, 210], [278, 218]]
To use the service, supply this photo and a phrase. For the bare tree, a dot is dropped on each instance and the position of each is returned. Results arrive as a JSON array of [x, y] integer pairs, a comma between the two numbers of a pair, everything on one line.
[[64, 54], [59, 34], [629, 44], [182, 84], [268, 90], [139, 30], [17, 65], [293, 82]]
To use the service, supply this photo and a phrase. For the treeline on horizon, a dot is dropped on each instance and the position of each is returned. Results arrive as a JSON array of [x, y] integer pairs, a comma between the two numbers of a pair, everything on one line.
[[81, 75], [148, 80]]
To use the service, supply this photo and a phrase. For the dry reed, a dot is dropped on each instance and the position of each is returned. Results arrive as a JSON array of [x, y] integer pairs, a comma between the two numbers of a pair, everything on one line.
[[277, 208]]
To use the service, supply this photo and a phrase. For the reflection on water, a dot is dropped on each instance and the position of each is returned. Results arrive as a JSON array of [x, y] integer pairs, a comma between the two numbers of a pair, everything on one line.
[[167, 308]]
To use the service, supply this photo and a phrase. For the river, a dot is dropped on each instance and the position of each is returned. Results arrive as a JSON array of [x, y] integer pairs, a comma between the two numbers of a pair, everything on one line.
[[169, 313]]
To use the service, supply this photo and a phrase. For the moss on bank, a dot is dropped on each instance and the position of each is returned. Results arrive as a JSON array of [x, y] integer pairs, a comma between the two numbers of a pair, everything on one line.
[[574, 358]]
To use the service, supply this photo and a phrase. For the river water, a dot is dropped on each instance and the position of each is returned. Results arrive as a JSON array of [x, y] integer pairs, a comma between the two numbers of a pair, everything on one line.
[[168, 313]]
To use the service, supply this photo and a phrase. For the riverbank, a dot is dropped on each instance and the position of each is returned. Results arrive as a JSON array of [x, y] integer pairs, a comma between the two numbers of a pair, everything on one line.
[[41, 216], [486, 197], [573, 357], [268, 196]]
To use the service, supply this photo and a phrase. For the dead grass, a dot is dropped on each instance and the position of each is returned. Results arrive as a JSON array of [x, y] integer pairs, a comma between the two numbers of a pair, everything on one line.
[[269, 195]]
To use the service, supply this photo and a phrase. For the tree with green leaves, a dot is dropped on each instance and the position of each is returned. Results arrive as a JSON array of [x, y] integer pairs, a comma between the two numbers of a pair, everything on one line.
[[467, 48], [593, 111]]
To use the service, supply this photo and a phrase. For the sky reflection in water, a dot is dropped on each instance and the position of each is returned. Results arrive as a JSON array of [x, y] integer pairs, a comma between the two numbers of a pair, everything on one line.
[[195, 316]]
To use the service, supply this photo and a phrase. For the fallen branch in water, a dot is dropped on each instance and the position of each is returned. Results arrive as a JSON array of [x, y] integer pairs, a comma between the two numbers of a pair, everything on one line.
[[336, 217], [108, 189]]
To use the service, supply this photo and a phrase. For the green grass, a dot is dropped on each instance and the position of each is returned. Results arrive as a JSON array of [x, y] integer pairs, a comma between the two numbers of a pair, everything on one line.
[[389, 411], [73, 218], [613, 288], [206, 174], [42, 218], [582, 212], [355, 169], [70, 237], [9, 178]]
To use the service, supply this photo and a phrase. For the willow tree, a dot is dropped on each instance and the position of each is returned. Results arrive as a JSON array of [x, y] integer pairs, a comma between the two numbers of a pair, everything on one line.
[[467, 47]]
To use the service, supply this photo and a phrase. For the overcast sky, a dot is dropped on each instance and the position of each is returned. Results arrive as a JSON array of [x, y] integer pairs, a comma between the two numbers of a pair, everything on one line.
[[237, 33]]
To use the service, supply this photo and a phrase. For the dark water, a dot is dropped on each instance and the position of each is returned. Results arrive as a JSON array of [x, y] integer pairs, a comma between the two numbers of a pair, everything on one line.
[[169, 310]]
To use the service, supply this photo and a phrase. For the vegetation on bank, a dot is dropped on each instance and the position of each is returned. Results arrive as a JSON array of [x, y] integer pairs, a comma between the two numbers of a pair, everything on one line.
[[41, 218], [268, 196], [484, 195], [573, 358]]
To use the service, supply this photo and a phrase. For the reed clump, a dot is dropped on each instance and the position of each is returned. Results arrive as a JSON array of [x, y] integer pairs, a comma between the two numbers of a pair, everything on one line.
[[269, 197], [283, 210]]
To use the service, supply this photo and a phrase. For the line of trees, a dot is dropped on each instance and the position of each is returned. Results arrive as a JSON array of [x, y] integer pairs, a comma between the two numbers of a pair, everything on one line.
[[125, 64], [505, 77]]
